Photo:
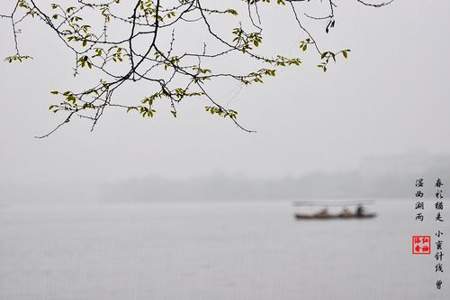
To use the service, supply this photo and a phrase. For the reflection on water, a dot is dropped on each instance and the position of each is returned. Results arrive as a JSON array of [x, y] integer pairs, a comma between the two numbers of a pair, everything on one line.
[[211, 251]]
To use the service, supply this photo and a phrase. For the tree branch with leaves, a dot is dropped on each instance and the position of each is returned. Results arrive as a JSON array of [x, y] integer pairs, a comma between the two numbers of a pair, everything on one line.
[[146, 49]]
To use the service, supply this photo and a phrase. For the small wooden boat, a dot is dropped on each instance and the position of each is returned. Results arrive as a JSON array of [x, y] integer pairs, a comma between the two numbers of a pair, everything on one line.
[[345, 214]]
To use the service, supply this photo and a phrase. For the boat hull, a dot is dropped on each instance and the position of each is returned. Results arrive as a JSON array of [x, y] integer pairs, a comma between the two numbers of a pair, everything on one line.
[[333, 217]]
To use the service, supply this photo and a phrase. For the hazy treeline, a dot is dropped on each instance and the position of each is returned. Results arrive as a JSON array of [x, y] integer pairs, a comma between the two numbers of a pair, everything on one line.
[[384, 177], [379, 177]]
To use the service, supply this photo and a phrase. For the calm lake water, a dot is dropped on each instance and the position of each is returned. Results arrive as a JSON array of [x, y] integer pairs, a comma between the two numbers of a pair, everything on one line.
[[213, 251]]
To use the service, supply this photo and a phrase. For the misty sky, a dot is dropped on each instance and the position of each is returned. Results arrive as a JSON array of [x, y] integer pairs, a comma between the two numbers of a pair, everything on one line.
[[390, 97]]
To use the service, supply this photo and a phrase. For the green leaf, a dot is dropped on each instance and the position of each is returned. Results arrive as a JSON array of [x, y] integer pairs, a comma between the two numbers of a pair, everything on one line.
[[232, 11]]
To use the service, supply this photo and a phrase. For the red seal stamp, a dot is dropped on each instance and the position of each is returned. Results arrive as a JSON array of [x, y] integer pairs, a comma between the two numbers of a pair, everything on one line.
[[421, 244]]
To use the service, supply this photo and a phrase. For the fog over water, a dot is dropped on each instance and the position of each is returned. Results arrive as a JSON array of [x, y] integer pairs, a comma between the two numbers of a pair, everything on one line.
[[375, 178]]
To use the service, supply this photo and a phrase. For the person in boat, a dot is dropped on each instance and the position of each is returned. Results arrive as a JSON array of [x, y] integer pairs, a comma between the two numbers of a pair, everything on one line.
[[322, 213], [345, 213], [360, 212]]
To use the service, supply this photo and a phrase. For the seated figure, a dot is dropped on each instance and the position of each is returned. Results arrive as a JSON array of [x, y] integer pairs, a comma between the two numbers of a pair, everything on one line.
[[359, 211]]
